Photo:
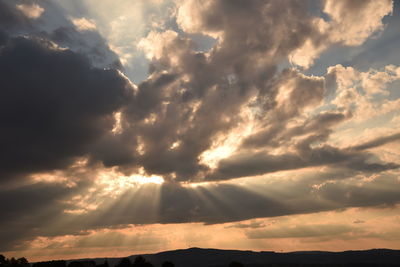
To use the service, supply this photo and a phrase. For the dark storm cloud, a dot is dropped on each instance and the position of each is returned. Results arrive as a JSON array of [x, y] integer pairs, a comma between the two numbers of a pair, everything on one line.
[[54, 105], [10, 18], [55, 25]]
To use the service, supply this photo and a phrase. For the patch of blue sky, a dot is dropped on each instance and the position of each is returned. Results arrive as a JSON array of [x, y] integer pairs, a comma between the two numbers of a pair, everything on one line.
[[380, 50]]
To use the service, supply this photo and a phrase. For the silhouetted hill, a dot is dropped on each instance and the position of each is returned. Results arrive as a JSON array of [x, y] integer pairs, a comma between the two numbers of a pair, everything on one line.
[[198, 257]]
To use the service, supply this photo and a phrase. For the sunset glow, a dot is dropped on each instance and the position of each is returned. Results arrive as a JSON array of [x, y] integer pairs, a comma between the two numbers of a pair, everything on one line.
[[131, 127]]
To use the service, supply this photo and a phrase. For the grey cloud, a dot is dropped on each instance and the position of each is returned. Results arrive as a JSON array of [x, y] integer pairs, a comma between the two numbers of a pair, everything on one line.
[[315, 130], [88, 43], [371, 194], [377, 142], [219, 203], [302, 231], [248, 163], [220, 82], [252, 225], [209, 204], [305, 91], [252, 28], [194, 78], [27, 210], [161, 112], [11, 18], [54, 24]]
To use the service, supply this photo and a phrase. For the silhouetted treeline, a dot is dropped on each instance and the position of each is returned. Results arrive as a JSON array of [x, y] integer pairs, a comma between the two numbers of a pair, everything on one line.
[[50, 264], [13, 262], [140, 261], [124, 262], [315, 265]]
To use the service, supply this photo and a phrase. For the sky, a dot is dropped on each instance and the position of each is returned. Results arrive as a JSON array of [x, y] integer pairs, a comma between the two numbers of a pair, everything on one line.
[[138, 126]]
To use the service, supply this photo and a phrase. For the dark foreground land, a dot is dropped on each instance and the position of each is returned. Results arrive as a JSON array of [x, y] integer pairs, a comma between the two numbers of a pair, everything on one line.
[[197, 257]]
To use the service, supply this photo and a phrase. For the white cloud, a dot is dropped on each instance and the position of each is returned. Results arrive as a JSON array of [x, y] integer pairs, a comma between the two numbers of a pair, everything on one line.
[[33, 11], [84, 24], [351, 23], [357, 91]]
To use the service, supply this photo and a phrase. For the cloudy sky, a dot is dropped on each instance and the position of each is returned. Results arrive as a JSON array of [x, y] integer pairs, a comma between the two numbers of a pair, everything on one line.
[[132, 126]]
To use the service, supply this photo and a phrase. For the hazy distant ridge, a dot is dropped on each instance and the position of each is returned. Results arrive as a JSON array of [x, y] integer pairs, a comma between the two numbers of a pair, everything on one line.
[[198, 257]]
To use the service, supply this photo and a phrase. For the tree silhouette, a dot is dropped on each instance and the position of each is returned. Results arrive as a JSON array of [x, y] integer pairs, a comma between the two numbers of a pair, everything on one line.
[[3, 260], [236, 264], [13, 262], [140, 261], [124, 262], [75, 264], [22, 262], [82, 264], [167, 264], [58, 263]]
